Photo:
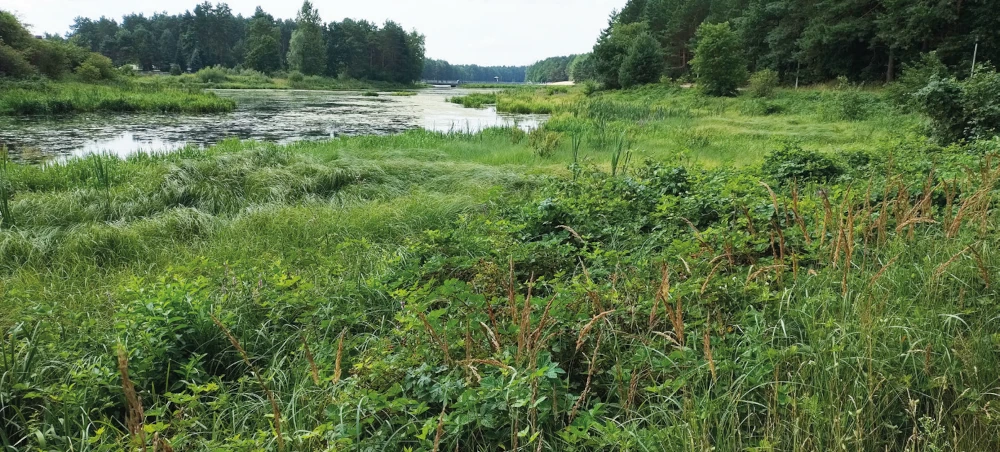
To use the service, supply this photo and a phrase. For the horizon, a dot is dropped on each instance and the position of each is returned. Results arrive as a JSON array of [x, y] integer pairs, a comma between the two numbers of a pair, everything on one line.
[[454, 35]]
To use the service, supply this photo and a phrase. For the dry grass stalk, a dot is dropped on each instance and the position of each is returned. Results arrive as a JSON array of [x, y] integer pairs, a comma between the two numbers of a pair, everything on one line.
[[313, 370], [260, 380], [442, 344], [491, 336], [135, 418], [586, 328], [590, 373], [708, 278], [707, 343], [440, 429], [798, 217], [160, 444], [763, 270], [941, 268], [878, 275], [340, 354]]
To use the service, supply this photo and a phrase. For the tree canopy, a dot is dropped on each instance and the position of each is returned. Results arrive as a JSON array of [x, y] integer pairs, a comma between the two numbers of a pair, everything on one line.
[[211, 35]]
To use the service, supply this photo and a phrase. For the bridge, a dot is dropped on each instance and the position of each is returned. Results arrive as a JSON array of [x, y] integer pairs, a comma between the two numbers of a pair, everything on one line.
[[451, 83]]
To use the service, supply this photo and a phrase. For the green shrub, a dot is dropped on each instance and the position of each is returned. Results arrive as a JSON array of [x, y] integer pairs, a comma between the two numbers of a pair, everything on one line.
[[914, 77], [792, 163], [96, 67], [590, 87], [969, 109], [13, 63], [212, 75], [295, 76], [643, 64], [544, 142], [49, 58], [175, 69], [763, 83], [718, 60]]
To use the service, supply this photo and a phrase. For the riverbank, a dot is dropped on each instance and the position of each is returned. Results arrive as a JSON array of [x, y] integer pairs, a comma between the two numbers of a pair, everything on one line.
[[221, 78], [50, 98], [651, 269]]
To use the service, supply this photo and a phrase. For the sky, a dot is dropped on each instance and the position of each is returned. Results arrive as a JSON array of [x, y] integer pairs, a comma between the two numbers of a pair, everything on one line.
[[485, 32]]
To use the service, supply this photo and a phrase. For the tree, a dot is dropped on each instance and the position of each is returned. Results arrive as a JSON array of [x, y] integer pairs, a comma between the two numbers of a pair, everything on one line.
[[582, 68], [307, 50], [195, 63], [612, 48], [263, 46], [168, 50], [718, 60], [643, 64]]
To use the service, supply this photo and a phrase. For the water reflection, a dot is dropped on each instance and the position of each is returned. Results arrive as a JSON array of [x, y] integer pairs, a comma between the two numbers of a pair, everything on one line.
[[268, 115]]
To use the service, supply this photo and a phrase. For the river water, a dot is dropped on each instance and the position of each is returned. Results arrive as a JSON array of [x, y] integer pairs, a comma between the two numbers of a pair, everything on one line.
[[281, 116]]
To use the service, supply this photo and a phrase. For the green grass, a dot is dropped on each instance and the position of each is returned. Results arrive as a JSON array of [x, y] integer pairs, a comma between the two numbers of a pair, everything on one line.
[[51, 98], [800, 275]]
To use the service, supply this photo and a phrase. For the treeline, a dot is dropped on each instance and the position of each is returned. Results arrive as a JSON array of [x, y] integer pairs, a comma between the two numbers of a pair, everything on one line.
[[212, 35], [808, 40], [442, 70], [549, 70], [22, 55]]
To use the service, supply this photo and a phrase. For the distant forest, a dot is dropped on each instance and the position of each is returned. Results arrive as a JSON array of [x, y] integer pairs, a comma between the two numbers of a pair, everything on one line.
[[212, 35], [442, 70]]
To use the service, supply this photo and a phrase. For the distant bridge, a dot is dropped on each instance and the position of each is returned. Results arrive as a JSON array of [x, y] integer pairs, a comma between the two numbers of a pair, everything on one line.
[[451, 83]]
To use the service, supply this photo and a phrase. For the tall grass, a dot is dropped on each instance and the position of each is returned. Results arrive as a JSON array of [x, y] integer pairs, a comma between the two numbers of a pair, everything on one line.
[[457, 291], [67, 97]]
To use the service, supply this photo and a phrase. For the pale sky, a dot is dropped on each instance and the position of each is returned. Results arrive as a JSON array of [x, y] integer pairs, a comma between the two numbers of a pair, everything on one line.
[[485, 32]]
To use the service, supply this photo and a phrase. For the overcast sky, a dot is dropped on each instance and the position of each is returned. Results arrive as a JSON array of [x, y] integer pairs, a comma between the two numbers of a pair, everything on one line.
[[485, 32]]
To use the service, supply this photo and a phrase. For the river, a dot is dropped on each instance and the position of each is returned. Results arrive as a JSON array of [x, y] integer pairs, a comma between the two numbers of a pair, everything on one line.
[[281, 116]]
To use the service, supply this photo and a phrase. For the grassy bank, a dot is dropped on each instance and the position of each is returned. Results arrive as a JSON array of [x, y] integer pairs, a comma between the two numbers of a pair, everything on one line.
[[46, 98], [672, 273], [221, 78]]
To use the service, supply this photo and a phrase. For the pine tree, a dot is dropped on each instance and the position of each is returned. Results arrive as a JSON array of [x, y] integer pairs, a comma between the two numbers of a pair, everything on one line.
[[643, 64], [263, 46]]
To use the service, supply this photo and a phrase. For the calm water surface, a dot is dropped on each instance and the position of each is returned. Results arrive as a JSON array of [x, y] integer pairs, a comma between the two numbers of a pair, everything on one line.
[[281, 116]]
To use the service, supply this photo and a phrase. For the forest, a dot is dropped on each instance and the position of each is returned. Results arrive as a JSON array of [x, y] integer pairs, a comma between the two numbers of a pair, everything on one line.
[[442, 70], [211, 35], [807, 41]]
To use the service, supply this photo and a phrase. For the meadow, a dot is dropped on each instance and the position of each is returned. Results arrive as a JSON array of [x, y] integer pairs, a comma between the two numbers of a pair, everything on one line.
[[50, 98], [651, 270]]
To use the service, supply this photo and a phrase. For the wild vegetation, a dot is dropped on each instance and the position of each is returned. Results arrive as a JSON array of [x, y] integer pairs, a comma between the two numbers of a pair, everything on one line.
[[652, 269]]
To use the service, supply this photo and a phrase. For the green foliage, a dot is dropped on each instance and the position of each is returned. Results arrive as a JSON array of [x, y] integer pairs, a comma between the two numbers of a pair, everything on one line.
[[718, 60], [969, 109], [915, 76], [295, 76], [60, 98], [612, 49], [212, 75], [583, 68], [763, 83], [13, 63], [550, 70], [791, 163], [643, 64], [175, 70], [307, 49], [95, 68], [544, 142], [263, 47]]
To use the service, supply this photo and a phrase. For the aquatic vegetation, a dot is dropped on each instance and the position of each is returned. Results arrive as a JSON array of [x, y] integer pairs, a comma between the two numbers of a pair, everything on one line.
[[66, 97]]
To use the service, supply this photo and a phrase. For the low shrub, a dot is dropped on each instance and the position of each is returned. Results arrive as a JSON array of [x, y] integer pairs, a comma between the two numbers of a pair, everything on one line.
[[763, 83], [792, 163]]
